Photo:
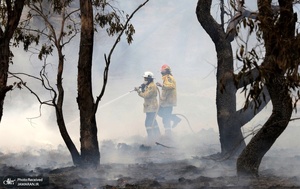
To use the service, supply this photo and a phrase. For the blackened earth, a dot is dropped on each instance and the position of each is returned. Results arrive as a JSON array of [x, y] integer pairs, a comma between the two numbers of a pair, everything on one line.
[[165, 165]]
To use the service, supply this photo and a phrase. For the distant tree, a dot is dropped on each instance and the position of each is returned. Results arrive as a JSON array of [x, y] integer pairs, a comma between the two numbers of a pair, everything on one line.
[[10, 13], [229, 81]]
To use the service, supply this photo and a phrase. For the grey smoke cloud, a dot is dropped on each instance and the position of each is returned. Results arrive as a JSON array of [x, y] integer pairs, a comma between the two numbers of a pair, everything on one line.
[[166, 32]]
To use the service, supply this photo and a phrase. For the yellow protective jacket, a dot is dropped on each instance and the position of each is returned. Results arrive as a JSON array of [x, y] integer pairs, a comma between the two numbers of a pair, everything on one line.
[[150, 97], [168, 94]]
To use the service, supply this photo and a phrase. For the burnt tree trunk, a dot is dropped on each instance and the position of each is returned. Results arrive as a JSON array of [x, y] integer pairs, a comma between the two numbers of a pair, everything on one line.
[[90, 155], [59, 111], [230, 134], [279, 38], [13, 12], [4, 64], [250, 159]]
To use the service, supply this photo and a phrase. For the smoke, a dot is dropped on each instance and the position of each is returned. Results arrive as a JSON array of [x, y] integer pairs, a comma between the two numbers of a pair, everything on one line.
[[166, 32], [162, 39]]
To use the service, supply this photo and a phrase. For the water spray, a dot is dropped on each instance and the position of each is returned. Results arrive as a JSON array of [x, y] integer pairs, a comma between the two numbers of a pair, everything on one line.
[[108, 103], [118, 98], [127, 93]]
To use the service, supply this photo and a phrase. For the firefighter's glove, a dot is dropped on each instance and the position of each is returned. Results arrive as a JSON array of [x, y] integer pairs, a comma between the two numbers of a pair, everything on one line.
[[158, 84]]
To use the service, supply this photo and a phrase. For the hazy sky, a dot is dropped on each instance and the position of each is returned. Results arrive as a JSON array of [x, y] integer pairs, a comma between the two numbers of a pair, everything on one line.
[[166, 32]]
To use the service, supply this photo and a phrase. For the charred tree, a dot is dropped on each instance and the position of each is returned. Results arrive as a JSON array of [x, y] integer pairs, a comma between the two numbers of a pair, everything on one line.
[[59, 110], [280, 72], [13, 14], [230, 121], [29, 34], [90, 155], [59, 36], [249, 160]]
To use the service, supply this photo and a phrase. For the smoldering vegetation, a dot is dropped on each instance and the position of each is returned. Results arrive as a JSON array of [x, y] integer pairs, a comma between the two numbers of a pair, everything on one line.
[[136, 149], [138, 163]]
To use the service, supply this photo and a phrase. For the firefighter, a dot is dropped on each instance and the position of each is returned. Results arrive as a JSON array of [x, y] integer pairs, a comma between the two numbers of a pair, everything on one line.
[[168, 99], [148, 91]]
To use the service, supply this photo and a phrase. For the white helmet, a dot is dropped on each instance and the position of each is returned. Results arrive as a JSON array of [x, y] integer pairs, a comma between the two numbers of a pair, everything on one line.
[[148, 75]]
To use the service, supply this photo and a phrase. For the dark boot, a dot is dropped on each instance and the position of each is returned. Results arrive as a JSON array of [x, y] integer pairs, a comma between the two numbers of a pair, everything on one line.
[[175, 120]]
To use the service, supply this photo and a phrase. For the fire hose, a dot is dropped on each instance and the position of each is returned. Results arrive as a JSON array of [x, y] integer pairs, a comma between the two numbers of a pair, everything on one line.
[[174, 114]]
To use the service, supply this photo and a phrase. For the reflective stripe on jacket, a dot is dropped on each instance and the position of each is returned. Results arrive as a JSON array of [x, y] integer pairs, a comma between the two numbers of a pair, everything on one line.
[[168, 94], [150, 97]]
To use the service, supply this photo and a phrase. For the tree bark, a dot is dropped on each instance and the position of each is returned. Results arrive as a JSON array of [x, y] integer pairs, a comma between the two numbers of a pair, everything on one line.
[[13, 18], [4, 64], [250, 159], [90, 154]]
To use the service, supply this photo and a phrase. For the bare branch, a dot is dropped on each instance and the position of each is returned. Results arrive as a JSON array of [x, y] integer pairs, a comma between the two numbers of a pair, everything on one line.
[[295, 119], [63, 20], [107, 59], [40, 13], [25, 74], [29, 89]]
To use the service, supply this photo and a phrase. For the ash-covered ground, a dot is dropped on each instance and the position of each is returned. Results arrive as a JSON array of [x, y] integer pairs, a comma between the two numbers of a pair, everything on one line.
[[137, 163]]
